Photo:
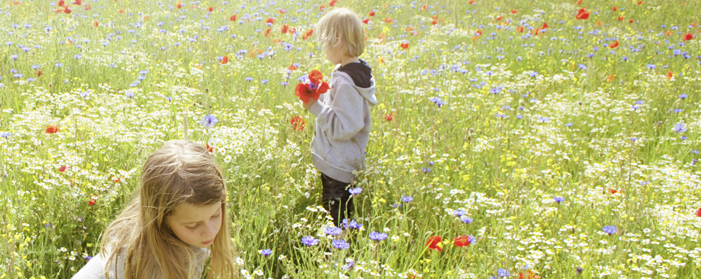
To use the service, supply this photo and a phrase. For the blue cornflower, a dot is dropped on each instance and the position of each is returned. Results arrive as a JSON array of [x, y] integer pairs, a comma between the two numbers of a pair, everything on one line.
[[582, 66], [377, 236], [77, 56], [651, 66], [351, 224], [683, 96], [309, 241], [559, 199], [407, 199], [169, 99], [14, 56], [209, 120], [425, 170], [340, 244], [5, 134], [634, 138], [569, 124], [333, 231], [680, 128], [264, 81], [610, 229], [465, 219], [459, 212], [249, 79], [503, 273], [266, 252], [355, 191], [88, 258], [677, 110]]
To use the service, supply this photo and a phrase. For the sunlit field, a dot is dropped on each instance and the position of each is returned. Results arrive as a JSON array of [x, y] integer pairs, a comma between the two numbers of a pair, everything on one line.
[[512, 139]]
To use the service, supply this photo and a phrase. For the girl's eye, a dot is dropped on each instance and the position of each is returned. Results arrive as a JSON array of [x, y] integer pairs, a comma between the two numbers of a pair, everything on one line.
[[192, 228]]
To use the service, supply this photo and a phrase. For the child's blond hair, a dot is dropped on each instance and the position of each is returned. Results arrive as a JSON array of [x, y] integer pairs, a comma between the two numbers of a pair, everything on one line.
[[341, 25], [180, 171]]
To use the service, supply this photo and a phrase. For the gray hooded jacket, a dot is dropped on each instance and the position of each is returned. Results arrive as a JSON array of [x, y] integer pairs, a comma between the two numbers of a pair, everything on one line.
[[342, 127]]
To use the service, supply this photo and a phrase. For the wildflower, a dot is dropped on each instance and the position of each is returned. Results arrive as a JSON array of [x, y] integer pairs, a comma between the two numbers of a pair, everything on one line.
[[224, 60], [579, 270], [266, 252], [434, 243], [333, 231], [52, 129], [459, 212], [5, 134], [610, 229], [404, 45], [377, 236], [503, 273], [688, 37], [309, 241], [680, 128], [209, 120], [407, 199], [582, 14], [698, 212], [559, 199], [425, 170], [614, 45], [463, 240], [298, 123], [582, 66], [683, 96], [355, 191], [93, 200], [62, 168], [340, 244], [389, 116], [465, 219], [351, 224]]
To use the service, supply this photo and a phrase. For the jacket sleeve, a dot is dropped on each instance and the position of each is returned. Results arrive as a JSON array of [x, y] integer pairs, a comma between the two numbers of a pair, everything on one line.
[[343, 119]]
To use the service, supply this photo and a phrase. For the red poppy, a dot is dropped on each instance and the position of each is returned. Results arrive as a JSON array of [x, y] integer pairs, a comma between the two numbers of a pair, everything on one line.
[[582, 14], [52, 129], [372, 13], [210, 149], [304, 91], [88, 7], [614, 191], [267, 32], [620, 18], [179, 5], [315, 76], [640, 2], [95, 23], [424, 7], [615, 9], [579, 2], [614, 44], [332, 3], [389, 116], [514, 11], [519, 29], [38, 73], [499, 18], [630, 21], [388, 20], [67, 10], [669, 75], [292, 67], [210, 9], [93, 200], [232, 18], [298, 123], [284, 29], [698, 212], [688, 37], [224, 60], [404, 45], [611, 78], [78, 2], [62, 168], [434, 243], [527, 275], [270, 20], [479, 32], [461, 241], [307, 34], [61, 3], [472, 2], [322, 8], [434, 22], [366, 20]]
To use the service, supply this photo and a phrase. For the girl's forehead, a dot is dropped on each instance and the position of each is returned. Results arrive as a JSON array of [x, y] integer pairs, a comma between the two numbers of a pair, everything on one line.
[[187, 212]]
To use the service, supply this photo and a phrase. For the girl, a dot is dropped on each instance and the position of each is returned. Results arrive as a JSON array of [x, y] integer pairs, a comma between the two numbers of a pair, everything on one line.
[[178, 220]]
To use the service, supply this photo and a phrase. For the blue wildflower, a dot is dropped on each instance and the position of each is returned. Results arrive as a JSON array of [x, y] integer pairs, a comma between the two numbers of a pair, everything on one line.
[[559, 199], [680, 128], [209, 120], [333, 231], [340, 244], [309, 241], [610, 229], [355, 191], [503, 273], [465, 219], [407, 199], [377, 236], [266, 252]]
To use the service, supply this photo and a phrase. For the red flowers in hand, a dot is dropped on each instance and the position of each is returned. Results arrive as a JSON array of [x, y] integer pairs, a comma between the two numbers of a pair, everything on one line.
[[434, 243], [311, 90]]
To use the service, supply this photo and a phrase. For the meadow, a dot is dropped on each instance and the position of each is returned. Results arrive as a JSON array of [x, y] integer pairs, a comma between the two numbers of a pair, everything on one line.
[[512, 139]]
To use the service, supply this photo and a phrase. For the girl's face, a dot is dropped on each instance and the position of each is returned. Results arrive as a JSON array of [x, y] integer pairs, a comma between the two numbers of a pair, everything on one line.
[[196, 225], [334, 53]]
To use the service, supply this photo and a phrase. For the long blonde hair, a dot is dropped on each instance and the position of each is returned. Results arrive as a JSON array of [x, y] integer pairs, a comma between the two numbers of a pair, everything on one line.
[[341, 25], [180, 171]]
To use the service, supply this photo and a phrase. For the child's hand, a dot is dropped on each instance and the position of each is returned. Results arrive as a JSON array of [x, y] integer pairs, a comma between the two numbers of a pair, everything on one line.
[[308, 104]]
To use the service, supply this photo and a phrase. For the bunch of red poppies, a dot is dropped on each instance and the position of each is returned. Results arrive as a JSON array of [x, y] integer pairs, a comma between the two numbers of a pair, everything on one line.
[[312, 89]]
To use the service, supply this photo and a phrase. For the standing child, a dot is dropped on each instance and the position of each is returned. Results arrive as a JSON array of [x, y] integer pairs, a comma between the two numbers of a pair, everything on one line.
[[343, 115], [177, 221]]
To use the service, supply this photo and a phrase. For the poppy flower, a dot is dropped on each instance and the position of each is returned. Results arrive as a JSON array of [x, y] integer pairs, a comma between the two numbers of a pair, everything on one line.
[[610, 78], [67, 10], [305, 92], [669, 75], [527, 275], [322, 8], [614, 191], [292, 67], [582, 14], [579, 2], [78, 2], [615, 9], [88, 7], [434, 22], [688, 37], [424, 7], [52, 129], [93, 200], [372, 13], [499, 18], [95, 23], [179, 5], [461, 241], [270, 20], [298, 123], [38, 73], [434, 243], [514, 11], [519, 29], [640, 2], [209, 149], [210, 9], [388, 20], [630, 21], [307, 34], [61, 3], [614, 44], [620, 18], [698, 212], [472, 2], [62, 168], [332, 3], [404, 45], [267, 32], [232, 18], [224, 60], [284, 29], [389, 116], [366, 20]]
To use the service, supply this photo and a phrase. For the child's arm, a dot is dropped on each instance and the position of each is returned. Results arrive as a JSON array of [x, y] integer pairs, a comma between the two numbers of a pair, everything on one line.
[[344, 118]]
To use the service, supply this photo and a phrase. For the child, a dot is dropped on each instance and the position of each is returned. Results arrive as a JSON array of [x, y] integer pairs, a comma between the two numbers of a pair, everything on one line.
[[343, 114], [176, 222]]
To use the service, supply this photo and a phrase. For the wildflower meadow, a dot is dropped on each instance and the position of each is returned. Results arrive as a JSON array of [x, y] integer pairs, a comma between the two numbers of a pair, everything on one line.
[[512, 138]]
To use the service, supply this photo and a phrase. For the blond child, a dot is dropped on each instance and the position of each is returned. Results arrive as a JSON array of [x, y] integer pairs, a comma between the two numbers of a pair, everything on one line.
[[343, 114], [178, 220]]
